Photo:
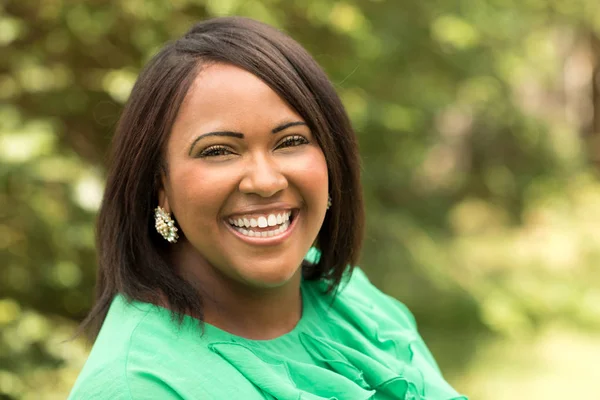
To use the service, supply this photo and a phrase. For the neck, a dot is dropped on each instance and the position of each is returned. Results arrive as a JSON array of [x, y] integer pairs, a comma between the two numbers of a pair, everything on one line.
[[241, 309], [256, 315]]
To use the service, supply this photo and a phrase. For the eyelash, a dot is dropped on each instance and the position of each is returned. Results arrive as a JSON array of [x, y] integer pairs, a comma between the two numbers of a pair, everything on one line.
[[214, 151], [218, 150], [292, 141]]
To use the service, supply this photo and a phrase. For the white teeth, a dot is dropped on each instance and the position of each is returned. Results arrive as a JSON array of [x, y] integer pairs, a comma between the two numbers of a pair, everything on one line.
[[272, 220], [271, 233]]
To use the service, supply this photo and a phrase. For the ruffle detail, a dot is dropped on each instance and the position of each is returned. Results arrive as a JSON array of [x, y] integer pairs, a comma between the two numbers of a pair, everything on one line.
[[386, 346], [370, 350], [364, 370], [287, 380]]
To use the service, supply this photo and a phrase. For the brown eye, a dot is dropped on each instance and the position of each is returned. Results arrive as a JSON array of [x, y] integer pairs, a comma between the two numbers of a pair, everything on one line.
[[214, 151], [292, 141]]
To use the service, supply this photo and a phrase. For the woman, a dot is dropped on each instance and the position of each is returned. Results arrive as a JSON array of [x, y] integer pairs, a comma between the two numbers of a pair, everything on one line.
[[230, 223]]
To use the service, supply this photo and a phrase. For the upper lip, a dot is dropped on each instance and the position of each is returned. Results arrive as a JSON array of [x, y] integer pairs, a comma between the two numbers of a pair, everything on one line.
[[267, 209]]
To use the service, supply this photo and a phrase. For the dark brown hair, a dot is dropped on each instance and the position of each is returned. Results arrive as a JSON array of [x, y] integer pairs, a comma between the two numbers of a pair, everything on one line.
[[131, 255]]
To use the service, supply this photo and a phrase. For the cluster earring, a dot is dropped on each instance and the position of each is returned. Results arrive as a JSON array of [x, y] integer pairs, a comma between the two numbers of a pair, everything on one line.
[[165, 225], [328, 202]]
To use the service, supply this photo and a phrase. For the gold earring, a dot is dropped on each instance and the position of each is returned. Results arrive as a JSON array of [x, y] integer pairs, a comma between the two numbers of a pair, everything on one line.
[[328, 202], [165, 225]]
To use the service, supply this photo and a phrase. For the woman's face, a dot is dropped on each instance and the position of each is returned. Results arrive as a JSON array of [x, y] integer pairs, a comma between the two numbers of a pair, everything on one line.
[[246, 182]]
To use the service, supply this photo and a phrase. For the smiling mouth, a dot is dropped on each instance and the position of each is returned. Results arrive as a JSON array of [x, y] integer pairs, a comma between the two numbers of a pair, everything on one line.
[[263, 226]]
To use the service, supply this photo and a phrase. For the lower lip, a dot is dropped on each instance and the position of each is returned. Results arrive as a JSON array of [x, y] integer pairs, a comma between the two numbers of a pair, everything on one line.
[[269, 240]]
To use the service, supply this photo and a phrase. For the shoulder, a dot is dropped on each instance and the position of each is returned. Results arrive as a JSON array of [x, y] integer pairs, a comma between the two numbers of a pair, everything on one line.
[[355, 287], [110, 371], [358, 289], [142, 353]]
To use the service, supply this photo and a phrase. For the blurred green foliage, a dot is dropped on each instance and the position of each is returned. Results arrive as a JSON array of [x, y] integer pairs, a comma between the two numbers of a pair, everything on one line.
[[478, 124]]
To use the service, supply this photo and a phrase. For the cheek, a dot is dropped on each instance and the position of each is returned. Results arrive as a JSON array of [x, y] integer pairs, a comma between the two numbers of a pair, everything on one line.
[[310, 175], [200, 193]]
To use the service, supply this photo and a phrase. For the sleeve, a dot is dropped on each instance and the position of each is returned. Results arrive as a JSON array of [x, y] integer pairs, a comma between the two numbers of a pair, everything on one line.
[[146, 386], [110, 385], [99, 386]]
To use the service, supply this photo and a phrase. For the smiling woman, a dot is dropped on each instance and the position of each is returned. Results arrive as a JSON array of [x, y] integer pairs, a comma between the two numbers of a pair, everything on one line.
[[252, 157], [230, 225]]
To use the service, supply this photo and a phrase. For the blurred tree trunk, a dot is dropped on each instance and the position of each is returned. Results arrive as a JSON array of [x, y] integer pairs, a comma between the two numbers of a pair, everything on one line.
[[594, 128], [595, 43]]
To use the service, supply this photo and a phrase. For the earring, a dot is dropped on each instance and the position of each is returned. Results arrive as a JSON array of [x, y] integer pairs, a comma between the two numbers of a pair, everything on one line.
[[328, 202], [165, 225]]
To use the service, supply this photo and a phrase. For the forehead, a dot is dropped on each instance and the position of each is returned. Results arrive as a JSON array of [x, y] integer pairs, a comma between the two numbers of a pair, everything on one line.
[[226, 96], [220, 77]]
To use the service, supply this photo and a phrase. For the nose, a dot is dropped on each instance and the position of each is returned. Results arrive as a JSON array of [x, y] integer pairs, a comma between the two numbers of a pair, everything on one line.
[[263, 177]]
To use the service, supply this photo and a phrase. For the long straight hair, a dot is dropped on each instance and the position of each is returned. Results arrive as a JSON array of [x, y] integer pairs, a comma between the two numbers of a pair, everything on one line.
[[132, 257]]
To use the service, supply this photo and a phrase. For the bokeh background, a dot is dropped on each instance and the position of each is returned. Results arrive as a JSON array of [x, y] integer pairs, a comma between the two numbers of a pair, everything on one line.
[[479, 126]]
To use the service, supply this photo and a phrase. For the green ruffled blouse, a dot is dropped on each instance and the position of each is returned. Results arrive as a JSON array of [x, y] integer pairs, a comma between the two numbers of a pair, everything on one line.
[[364, 345]]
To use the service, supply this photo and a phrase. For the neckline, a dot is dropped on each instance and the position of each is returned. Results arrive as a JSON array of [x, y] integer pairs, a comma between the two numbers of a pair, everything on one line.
[[213, 333], [308, 311]]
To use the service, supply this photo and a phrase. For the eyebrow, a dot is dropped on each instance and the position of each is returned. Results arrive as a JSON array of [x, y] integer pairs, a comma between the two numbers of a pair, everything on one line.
[[239, 135], [286, 125]]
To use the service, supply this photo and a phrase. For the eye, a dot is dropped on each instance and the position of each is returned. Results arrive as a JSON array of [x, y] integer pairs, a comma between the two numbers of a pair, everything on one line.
[[291, 141], [214, 151]]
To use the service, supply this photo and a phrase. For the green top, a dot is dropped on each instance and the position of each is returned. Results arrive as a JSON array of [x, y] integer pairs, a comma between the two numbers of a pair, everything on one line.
[[364, 345]]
